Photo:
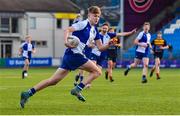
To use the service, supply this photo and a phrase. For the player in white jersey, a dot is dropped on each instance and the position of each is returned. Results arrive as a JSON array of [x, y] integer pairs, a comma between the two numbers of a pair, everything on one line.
[[87, 51], [26, 50], [142, 43], [74, 57]]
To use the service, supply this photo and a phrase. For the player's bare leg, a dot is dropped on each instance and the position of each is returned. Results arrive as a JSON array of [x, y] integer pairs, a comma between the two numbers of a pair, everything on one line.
[[94, 72], [157, 65], [89, 84], [110, 67], [53, 80], [145, 69], [133, 65], [25, 68], [114, 65], [106, 74], [152, 70]]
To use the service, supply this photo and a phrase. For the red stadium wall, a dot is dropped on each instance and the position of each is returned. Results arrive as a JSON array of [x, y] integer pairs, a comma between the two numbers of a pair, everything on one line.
[[136, 12]]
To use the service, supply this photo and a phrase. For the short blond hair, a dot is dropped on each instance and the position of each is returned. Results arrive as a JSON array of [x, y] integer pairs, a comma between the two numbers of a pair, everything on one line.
[[94, 10], [28, 36]]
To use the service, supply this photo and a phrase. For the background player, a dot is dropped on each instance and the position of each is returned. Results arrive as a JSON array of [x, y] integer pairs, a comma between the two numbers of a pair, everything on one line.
[[158, 44], [26, 49], [142, 43], [111, 53]]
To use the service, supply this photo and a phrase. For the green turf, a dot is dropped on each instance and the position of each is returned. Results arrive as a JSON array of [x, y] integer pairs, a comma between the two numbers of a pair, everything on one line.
[[126, 95]]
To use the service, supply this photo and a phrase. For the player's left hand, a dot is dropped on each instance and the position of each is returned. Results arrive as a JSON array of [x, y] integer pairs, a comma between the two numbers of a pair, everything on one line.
[[118, 45], [91, 45], [111, 42]]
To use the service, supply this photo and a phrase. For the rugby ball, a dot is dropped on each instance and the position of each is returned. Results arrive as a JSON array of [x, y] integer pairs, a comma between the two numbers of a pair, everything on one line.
[[73, 40]]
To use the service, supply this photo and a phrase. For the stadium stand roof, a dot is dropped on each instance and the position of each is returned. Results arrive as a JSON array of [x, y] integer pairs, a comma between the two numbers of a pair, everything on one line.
[[65, 6]]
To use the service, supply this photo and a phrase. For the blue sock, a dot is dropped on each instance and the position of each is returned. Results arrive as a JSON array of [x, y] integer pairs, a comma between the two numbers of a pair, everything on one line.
[[31, 91], [81, 78], [80, 86], [24, 71]]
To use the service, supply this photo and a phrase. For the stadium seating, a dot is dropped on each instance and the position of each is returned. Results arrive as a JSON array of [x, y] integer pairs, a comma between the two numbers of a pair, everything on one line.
[[171, 33]]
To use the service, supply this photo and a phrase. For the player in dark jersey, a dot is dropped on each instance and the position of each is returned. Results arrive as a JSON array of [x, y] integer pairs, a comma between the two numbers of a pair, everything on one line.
[[159, 44], [118, 45], [111, 57]]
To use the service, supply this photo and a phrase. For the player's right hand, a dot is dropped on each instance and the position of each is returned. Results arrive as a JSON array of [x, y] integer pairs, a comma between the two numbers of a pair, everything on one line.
[[69, 45], [145, 45], [19, 53], [152, 52]]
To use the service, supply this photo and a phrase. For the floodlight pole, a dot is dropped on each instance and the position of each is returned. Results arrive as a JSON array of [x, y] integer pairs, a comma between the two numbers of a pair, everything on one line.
[[122, 23]]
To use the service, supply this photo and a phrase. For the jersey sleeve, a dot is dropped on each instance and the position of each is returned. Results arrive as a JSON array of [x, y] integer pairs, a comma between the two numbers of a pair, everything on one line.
[[149, 39], [139, 36], [152, 43], [97, 34], [21, 46], [79, 25], [112, 35]]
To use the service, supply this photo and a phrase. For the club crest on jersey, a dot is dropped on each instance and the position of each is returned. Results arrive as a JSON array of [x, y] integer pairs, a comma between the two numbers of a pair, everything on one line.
[[140, 6]]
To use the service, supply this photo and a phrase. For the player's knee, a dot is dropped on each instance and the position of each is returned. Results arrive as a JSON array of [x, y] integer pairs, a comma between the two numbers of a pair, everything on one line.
[[111, 66], [157, 64], [134, 65], [145, 65], [98, 73], [27, 63]]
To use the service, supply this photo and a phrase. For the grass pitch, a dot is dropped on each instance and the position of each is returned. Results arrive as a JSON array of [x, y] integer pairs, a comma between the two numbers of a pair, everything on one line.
[[126, 95]]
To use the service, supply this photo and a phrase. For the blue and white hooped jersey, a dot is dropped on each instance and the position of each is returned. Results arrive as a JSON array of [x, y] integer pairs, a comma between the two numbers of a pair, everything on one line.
[[143, 38], [27, 49], [105, 40], [86, 33]]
